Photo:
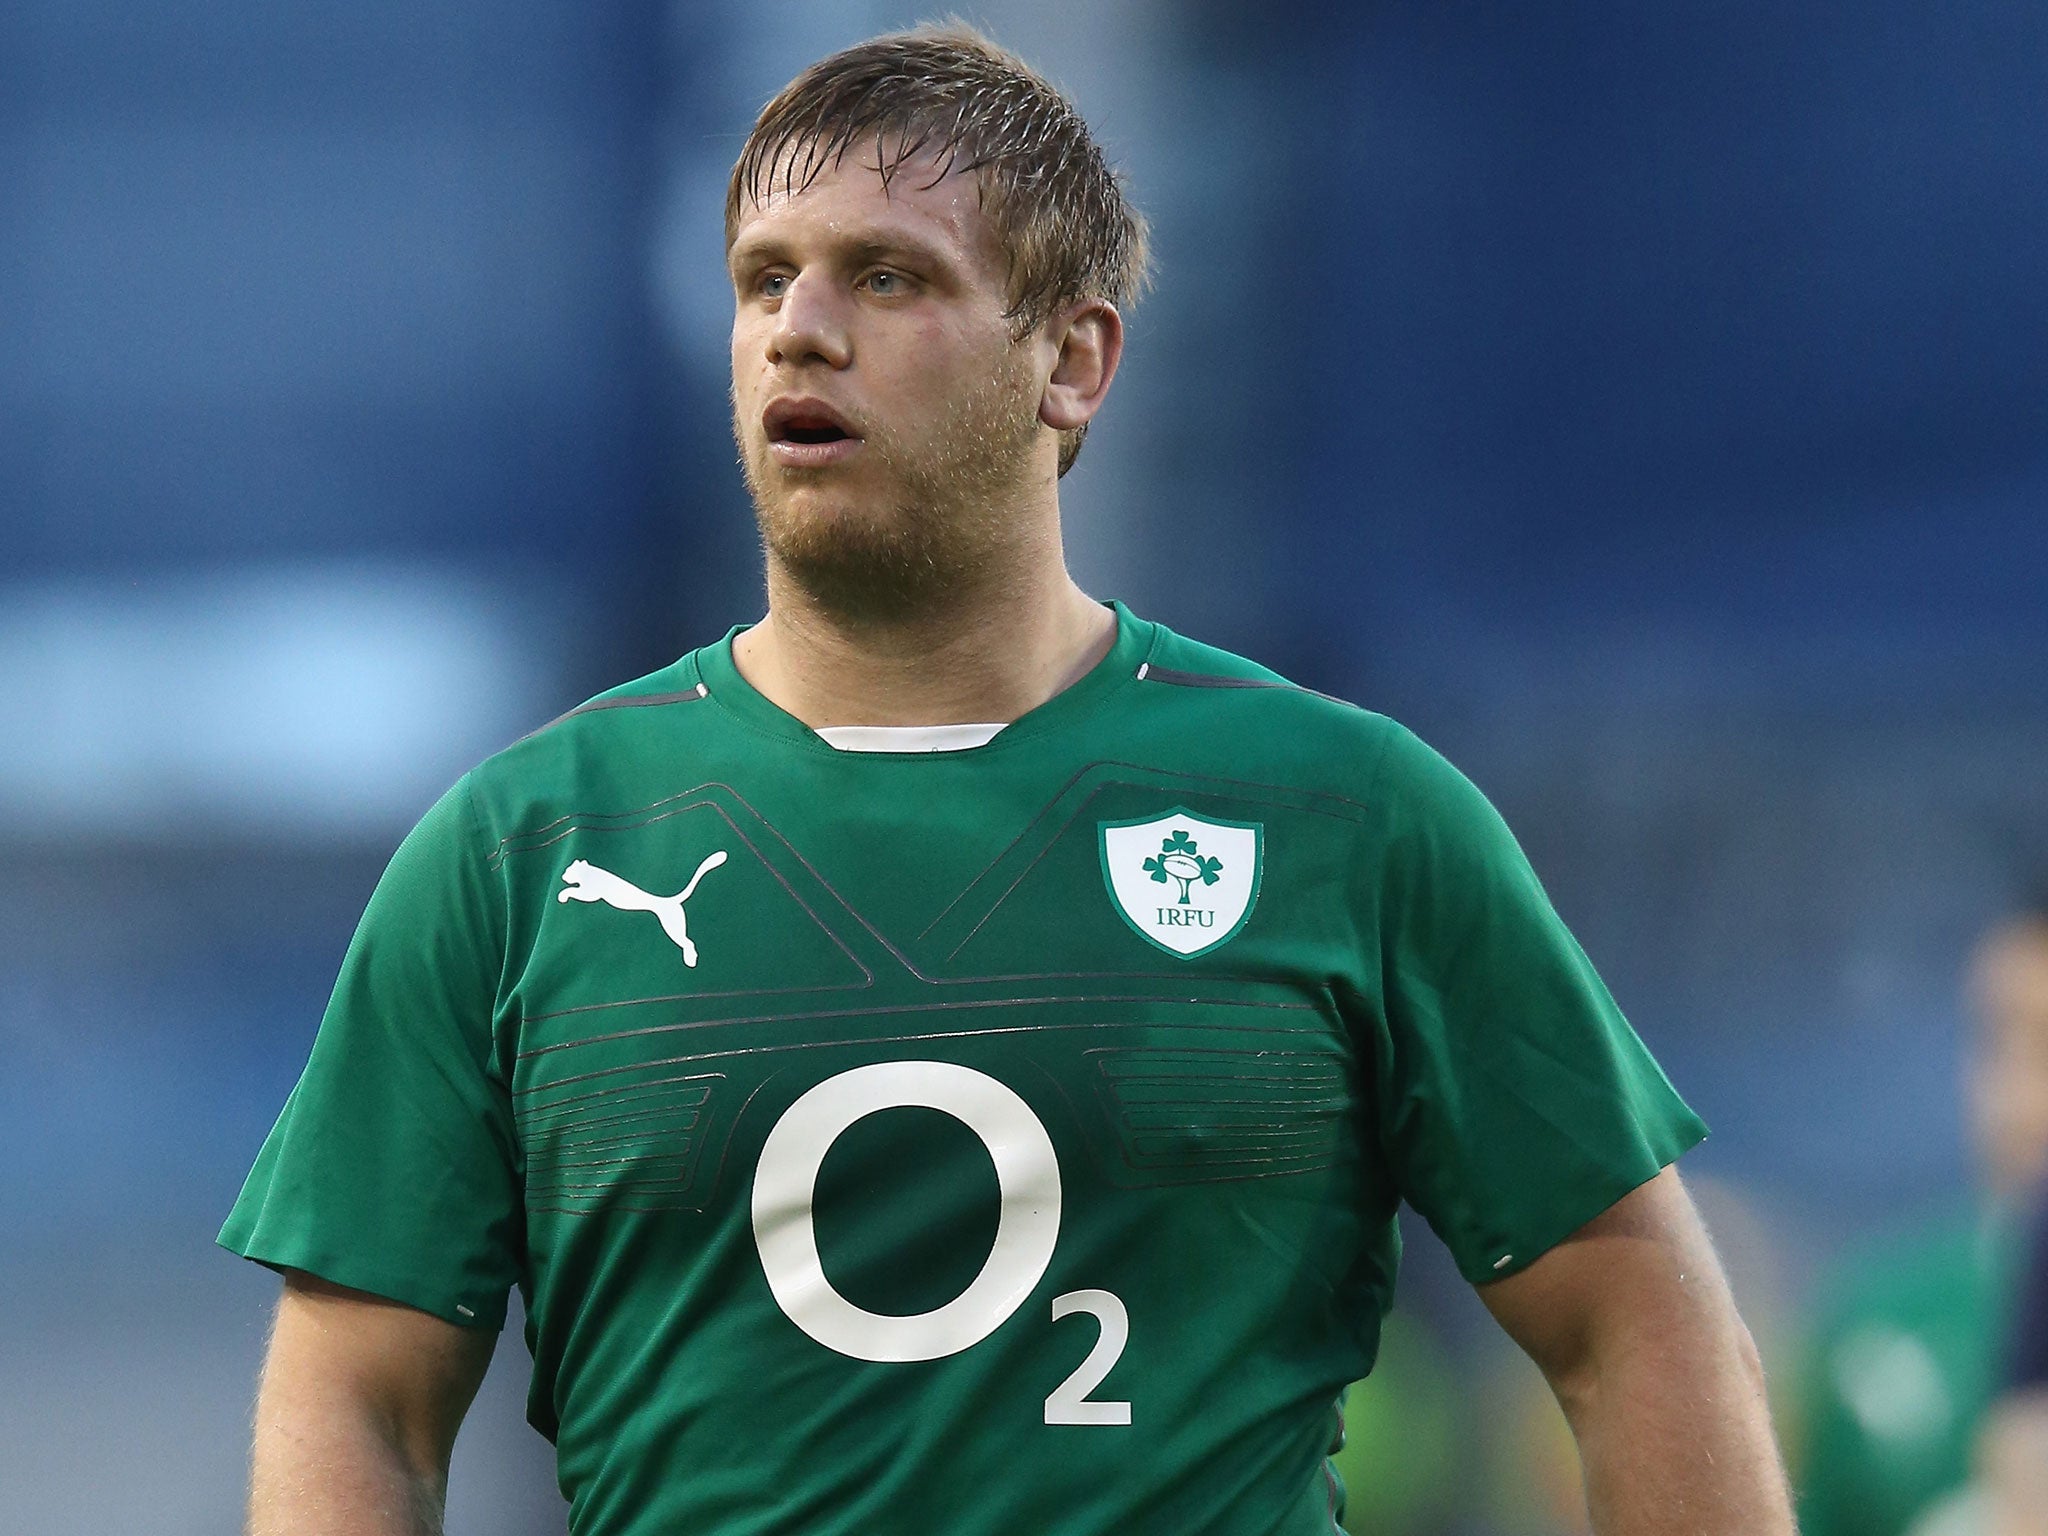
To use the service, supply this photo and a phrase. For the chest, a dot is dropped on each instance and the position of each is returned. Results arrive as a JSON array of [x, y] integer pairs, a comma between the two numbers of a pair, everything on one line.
[[1147, 963]]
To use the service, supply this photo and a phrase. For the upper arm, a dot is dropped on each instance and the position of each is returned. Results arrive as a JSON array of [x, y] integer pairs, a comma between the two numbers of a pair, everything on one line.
[[393, 1168], [409, 1375], [1513, 1101], [1643, 1269]]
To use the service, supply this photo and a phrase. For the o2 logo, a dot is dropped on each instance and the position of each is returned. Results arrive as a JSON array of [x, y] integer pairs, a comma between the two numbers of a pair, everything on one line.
[[1028, 1176]]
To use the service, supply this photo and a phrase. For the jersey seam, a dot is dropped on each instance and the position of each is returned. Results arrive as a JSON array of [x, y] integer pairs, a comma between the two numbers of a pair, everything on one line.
[[1151, 670], [1379, 766], [1175, 677], [609, 701], [502, 928]]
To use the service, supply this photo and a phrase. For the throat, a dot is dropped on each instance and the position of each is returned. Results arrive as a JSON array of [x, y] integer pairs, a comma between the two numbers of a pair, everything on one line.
[[961, 674]]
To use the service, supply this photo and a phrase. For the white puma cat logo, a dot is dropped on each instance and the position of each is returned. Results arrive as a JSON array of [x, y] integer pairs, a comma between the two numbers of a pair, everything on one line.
[[584, 881]]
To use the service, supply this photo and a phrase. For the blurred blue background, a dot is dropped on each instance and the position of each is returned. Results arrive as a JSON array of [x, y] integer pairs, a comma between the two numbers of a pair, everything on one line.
[[1649, 405]]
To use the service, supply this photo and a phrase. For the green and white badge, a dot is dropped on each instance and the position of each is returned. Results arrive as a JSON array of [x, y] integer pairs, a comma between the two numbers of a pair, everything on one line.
[[1184, 882]]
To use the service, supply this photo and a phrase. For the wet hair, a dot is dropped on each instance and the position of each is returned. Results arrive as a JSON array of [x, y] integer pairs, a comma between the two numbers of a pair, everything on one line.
[[949, 94]]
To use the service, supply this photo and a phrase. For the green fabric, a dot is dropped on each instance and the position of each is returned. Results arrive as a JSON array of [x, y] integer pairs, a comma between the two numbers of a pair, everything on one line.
[[1904, 1362], [1050, 1124], [395, 1165]]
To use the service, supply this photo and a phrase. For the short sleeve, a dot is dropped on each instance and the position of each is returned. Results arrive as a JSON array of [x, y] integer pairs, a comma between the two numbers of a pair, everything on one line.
[[392, 1169], [1515, 1102]]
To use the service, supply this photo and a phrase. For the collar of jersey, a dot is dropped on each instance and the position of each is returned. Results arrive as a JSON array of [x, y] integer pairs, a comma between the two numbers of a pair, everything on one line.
[[733, 693]]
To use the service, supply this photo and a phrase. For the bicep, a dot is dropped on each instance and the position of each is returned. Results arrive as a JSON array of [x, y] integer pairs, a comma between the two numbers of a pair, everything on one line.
[[337, 1353], [1643, 1268]]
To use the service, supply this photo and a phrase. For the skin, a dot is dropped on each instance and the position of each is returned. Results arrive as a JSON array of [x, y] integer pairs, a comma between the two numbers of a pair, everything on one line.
[[917, 578], [1631, 1322], [357, 1413], [921, 579]]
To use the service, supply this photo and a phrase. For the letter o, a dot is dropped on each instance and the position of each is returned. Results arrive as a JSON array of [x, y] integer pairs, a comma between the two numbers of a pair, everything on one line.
[[786, 1182]]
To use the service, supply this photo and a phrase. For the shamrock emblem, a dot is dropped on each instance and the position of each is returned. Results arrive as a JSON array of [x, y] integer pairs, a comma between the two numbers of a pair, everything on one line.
[[1180, 859]]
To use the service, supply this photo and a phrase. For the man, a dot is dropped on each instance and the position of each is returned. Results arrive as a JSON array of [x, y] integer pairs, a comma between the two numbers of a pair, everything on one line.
[[1000, 1127], [1907, 1357]]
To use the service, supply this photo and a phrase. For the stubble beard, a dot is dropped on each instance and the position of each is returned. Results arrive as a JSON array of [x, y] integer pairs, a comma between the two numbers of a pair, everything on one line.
[[933, 524]]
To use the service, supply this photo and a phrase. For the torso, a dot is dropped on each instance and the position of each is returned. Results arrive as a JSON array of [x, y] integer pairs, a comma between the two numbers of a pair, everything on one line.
[[999, 1164]]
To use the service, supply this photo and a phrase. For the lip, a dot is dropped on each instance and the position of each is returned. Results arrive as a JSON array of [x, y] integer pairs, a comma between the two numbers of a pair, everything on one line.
[[808, 409], [813, 455]]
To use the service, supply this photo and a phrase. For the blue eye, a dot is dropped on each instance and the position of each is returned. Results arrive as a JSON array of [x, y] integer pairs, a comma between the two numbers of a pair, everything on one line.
[[774, 285], [885, 284]]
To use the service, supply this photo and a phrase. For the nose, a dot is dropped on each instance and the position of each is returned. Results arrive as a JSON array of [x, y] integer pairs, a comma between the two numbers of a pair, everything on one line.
[[810, 324]]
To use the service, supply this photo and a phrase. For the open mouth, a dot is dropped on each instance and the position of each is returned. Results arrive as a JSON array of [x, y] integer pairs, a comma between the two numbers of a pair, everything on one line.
[[806, 424], [808, 432]]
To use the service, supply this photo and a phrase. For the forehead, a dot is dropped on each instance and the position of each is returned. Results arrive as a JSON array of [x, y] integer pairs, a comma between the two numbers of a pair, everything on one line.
[[921, 198]]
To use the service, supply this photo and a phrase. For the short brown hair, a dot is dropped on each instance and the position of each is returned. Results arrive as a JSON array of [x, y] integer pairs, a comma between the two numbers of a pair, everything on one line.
[[946, 91]]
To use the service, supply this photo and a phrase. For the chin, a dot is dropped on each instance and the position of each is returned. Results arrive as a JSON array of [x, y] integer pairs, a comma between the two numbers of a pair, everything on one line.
[[863, 561], [823, 534], [805, 514]]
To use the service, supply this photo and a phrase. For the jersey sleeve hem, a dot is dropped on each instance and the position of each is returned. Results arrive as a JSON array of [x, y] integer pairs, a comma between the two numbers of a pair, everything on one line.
[[1596, 1195], [357, 1273]]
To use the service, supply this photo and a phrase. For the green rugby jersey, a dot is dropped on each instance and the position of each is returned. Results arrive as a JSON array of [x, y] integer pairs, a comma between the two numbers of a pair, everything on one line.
[[991, 1141]]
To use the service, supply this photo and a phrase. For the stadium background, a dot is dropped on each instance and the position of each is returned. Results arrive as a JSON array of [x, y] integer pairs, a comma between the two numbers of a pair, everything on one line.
[[1647, 404]]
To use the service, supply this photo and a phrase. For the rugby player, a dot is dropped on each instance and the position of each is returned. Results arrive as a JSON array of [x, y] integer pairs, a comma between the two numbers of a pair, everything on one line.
[[946, 1057]]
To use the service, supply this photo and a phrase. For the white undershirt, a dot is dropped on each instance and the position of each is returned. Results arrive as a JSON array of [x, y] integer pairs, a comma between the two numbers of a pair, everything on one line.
[[907, 738]]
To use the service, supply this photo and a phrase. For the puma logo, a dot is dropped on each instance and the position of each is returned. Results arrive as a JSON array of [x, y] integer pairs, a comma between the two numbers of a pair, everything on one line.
[[584, 881]]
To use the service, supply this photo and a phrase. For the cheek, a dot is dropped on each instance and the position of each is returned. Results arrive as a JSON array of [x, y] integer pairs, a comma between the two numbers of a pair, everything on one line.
[[943, 365], [960, 340], [926, 357], [745, 384], [752, 332]]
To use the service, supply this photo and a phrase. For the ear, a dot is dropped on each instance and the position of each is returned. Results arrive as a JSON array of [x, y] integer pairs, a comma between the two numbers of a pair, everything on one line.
[[1089, 342]]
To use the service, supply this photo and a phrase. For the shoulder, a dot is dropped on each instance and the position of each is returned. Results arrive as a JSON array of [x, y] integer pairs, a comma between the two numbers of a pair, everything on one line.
[[1285, 719], [596, 752], [603, 715], [1179, 673]]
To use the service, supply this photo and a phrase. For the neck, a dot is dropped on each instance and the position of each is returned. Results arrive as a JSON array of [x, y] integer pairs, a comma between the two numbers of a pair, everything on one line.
[[989, 659]]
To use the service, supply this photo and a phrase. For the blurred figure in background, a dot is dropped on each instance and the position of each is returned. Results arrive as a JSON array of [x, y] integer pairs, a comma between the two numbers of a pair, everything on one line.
[[2016, 1439], [1908, 1356]]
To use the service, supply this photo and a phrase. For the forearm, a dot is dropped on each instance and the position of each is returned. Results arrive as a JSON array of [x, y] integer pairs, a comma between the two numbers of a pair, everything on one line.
[[1674, 1433], [323, 1467]]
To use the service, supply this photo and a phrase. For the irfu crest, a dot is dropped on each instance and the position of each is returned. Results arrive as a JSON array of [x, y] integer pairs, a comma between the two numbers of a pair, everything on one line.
[[1179, 859], [1183, 882]]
